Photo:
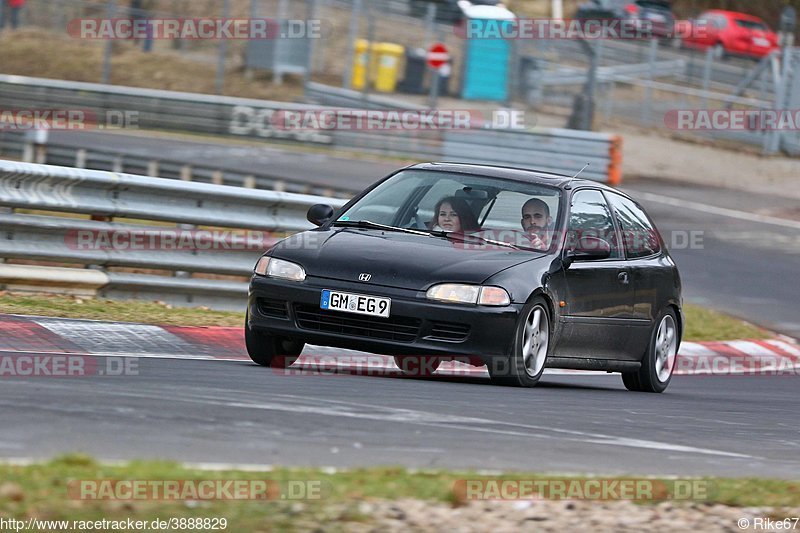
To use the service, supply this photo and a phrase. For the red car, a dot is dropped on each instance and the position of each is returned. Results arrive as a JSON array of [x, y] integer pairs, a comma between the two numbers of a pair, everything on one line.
[[731, 33]]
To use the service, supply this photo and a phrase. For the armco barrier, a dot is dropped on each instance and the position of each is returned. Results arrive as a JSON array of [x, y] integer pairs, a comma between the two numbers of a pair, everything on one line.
[[110, 194], [541, 148], [156, 109], [68, 153], [107, 195], [550, 150]]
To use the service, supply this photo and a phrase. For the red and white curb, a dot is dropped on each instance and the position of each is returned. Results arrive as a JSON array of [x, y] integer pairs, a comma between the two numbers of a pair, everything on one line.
[[44, 335]]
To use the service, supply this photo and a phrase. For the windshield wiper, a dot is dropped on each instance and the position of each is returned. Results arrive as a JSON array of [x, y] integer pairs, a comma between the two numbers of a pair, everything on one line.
[[452, 236], [375, 225]]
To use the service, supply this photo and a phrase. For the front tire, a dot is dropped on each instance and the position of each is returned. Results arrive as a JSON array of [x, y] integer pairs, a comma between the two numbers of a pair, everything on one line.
[[658, 363], [532, 346], [270, 350]]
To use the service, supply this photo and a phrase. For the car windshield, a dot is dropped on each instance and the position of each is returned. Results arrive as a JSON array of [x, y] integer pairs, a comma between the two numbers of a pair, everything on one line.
[[458, 206]]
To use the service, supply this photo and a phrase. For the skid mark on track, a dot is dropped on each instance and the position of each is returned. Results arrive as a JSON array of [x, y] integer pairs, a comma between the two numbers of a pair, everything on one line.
[[300, 405]]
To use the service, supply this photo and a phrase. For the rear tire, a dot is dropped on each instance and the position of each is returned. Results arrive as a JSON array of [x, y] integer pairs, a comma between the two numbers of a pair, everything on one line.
[[532, 347], [413, 365], [658, 362], [269, 350]]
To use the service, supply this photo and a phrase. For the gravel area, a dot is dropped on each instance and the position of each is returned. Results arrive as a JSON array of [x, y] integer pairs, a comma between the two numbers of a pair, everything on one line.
[[557, 516]]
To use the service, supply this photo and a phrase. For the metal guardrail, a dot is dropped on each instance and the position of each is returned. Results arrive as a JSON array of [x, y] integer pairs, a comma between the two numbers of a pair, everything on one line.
[[561, 151], [105, 195], [574, 76], [330, 96], [158, 109], [114, 195], [552, 150], [16, 145], [548, 149], [57, 239]]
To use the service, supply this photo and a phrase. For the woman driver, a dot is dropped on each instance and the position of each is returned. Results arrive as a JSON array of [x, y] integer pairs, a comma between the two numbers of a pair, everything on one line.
[[453, 214]]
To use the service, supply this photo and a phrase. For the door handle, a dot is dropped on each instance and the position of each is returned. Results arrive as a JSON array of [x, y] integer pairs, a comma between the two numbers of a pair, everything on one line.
[[623, 278]]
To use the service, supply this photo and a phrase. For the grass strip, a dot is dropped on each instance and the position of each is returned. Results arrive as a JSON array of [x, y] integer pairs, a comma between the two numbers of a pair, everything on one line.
[[43, 490]]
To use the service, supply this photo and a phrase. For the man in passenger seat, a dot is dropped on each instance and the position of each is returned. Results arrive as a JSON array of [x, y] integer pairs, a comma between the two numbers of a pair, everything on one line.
[[536, 221]]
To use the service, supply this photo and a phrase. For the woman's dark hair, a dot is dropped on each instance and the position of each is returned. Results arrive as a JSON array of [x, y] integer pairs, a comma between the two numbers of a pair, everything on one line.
[[469, 222]]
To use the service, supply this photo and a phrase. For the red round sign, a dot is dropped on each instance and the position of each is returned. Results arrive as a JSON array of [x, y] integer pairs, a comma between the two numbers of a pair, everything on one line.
[[438, 55]]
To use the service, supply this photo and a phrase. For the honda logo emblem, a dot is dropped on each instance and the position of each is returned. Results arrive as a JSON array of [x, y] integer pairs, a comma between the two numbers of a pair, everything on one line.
[[364, 277]]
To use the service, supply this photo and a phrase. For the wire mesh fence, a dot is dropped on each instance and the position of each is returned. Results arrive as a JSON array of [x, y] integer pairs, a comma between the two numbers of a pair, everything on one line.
[[638, 82]]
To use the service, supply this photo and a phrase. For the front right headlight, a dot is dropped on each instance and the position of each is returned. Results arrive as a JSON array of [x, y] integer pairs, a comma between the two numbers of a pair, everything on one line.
[[280, 269], [469, 294]]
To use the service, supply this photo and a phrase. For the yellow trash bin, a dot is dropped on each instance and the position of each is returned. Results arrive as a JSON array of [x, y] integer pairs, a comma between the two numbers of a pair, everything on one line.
[[360, 64], [388, 65]]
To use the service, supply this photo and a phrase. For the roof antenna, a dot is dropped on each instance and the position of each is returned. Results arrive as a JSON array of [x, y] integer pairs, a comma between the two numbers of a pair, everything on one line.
[[578, 174]]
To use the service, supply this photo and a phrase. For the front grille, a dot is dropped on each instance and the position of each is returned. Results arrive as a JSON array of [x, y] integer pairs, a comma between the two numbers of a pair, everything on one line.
[[273, 308], [396, 328], [449, 331]]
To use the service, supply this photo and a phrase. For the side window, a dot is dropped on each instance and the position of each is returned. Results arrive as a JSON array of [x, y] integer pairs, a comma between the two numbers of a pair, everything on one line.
[[638, 233], [591, 217]]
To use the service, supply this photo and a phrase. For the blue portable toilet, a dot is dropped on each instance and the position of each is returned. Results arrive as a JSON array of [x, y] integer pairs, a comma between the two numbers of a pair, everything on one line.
[[487, 56]]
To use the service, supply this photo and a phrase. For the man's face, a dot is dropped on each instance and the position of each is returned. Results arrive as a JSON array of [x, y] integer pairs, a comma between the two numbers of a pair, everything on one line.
[[534, 218]]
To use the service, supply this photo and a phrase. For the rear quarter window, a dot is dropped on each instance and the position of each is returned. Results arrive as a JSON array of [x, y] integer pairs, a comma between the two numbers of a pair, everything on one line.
[[639, 236]]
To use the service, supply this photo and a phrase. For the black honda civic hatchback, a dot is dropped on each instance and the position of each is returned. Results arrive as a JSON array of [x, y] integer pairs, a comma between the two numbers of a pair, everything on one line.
[[512, 268]]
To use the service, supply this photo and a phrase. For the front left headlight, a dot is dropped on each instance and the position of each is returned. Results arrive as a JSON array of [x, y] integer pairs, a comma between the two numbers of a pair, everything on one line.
[[278, 268], [469, 294]]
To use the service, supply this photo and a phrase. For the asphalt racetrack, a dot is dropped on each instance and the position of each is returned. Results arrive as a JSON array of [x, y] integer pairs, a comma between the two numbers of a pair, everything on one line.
[[236, 412]]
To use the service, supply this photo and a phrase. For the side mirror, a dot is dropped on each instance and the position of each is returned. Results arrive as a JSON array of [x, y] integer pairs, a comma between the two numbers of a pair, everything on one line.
[[588, 249], [319, 214]]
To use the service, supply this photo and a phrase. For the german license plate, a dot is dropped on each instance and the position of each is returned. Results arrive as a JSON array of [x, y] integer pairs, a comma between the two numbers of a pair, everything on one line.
[[361, 304]]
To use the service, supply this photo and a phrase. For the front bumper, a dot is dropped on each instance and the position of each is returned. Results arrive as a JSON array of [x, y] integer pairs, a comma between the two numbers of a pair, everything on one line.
[[417, 326]]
